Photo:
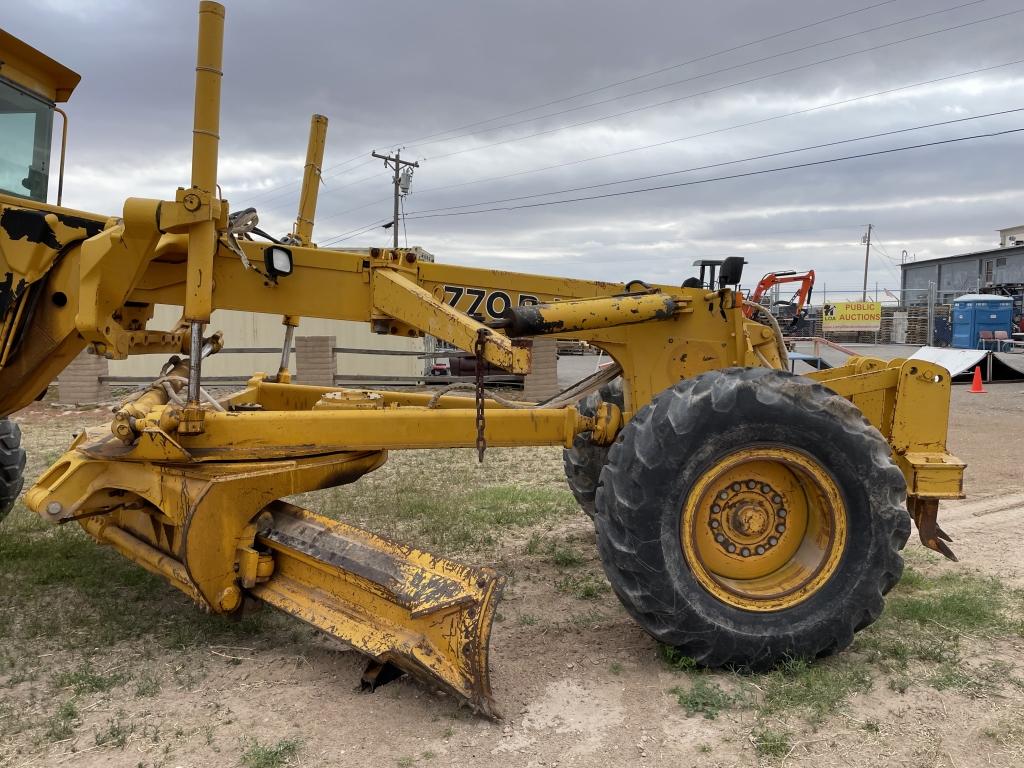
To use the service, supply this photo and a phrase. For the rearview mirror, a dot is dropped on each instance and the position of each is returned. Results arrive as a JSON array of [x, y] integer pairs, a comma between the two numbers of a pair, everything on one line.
[[731, 271]]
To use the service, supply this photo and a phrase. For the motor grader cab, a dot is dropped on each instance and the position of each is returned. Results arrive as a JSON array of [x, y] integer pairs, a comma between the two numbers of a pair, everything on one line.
[[31, 86], [743, 514]]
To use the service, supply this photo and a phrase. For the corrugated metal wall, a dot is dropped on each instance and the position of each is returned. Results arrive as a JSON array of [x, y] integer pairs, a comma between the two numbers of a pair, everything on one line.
[[243, 329]]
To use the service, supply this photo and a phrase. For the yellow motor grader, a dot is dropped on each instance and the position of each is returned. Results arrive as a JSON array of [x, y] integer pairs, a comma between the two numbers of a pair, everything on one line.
[[743, 514]]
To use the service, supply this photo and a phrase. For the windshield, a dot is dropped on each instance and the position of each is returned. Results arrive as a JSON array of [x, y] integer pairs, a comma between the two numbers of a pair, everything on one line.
[[25, 126]]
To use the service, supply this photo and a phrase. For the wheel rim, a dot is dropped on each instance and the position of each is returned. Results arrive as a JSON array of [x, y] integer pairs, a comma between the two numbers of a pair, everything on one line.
[[764, 528]]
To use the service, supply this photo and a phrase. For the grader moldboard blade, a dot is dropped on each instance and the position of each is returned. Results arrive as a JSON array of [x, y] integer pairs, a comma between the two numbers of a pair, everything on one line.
[[423, 614]]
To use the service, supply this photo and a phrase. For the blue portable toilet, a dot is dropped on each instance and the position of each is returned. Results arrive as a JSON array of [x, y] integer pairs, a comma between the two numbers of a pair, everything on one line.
[[977, 312]]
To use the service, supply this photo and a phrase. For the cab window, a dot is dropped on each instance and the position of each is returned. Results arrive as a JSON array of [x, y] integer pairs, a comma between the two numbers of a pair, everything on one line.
[[26, 123]]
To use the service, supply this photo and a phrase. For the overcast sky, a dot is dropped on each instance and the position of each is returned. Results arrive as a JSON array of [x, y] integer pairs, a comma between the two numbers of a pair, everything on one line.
[[388, 74]]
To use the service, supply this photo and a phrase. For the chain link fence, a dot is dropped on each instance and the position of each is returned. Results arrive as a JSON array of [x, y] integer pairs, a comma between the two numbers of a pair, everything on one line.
[[912, 316]]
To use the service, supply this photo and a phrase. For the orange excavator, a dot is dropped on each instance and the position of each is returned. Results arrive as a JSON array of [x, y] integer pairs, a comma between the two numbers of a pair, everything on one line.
[[794, 308]]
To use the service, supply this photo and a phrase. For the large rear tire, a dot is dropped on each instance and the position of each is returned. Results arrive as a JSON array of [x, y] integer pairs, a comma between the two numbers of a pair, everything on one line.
[[12, 466], [585, 460], [748, 516]]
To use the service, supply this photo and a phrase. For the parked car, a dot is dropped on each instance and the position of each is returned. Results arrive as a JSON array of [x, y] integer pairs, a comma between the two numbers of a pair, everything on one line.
[[465, 365]]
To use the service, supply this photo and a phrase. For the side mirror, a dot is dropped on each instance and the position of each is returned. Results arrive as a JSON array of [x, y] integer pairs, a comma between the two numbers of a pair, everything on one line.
[[731, 271], [278, 261]]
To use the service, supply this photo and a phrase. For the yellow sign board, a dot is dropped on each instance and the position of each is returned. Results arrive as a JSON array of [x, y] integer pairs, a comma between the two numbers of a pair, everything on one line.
[[845, 316]]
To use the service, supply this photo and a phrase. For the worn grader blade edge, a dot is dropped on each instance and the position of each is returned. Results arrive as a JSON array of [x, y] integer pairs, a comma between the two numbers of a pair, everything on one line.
[[426, 615]]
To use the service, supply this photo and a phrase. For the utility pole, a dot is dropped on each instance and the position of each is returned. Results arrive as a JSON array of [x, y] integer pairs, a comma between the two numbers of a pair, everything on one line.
[[395, 161], [867, 252]]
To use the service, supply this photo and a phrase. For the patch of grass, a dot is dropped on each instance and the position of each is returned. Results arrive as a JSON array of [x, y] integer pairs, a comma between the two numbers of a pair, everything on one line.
[[954, 676], [894, 651], [148, 684], [117, 732], [470, 518], [527, 619], [411, 501], [584, 586], [816, 689], [615, 668], [278, 755], [1008, 732], [900, 683], [678, 661], [61, 724], [702, 697], [587, 619], [86, 680], [957, 601], [771, 742], [188, 675], [974, 682], [405, 762], [13, 719], [565, 556], [913, 580], [534, 544]]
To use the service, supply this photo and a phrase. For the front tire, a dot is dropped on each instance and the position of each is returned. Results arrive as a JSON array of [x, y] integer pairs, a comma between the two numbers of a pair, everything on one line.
[[12, 466], [748, 515]]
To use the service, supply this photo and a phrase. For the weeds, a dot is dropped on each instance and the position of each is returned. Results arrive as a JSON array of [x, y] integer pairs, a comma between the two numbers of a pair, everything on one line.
[[816, 689], [771, 742], [702, 697], [85, 680], [1008, 732], [409, 504], [61, 724], [962, 602], [566, 557], [675, 659], [148, 684], [279, 755], [117, 732], [585, 586]]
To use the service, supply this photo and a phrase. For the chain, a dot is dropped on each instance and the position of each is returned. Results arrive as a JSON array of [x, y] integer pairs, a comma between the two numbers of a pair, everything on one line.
[[481, 442]]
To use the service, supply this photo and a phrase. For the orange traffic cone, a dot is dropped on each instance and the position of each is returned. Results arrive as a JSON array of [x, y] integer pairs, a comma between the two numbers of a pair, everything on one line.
[[976, 387]]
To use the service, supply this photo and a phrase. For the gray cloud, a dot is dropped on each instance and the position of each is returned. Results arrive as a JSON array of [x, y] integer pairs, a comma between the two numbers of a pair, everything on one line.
[[458, 62]]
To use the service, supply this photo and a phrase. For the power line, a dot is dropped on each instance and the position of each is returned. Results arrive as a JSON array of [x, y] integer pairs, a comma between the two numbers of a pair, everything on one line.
[[353, 232], [745, 253], [718, 89], [808, 164], [760, 60], [764, 171], [724, 163], [262, 194], [703, 134], [265, 192], [323, 181], [652, 73], [360, 180]]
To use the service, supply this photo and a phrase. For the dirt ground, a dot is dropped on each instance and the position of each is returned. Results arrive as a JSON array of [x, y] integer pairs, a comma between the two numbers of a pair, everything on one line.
[[578, 682]]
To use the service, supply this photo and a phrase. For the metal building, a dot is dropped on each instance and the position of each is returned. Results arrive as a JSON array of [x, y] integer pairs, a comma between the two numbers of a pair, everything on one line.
[[996, 270]]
